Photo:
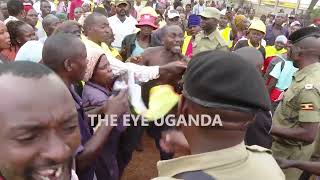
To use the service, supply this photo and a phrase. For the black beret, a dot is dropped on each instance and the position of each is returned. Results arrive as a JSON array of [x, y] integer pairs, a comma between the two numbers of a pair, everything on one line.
[[303, 33], [224, 79]]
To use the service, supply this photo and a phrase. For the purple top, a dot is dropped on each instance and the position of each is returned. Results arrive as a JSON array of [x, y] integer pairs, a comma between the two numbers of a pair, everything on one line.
[[270, 37], [94, 95], [85, 131]]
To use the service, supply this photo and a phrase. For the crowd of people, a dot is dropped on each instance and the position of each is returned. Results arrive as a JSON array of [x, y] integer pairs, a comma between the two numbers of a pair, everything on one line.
[[77, 61]]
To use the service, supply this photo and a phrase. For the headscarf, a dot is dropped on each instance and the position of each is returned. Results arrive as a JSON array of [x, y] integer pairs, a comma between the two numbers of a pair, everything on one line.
[[193, 20], [239, 19], [93, 56]]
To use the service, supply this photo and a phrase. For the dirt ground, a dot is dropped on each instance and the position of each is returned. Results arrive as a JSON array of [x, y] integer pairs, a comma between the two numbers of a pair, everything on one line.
[[143, 164]]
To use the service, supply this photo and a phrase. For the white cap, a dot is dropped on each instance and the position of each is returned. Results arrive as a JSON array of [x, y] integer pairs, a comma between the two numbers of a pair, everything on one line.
[[173, 13], [295, 23]]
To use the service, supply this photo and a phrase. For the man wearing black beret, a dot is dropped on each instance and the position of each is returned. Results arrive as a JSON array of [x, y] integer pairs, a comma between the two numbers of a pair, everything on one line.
[[296, 120], [220, 84]]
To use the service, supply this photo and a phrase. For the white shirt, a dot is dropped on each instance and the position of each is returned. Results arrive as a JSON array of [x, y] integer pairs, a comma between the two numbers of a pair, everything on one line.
[[74, 175], [36, 6], [138, 8], [40, 32], [197, 9], [30, 51], [121, 29], [10, 18]]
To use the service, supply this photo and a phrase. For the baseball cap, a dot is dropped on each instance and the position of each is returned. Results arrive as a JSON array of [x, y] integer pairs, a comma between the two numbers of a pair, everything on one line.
[[210, 12], [295, 23], [291, 16], [281, 15], [173, 13], [118, 2]]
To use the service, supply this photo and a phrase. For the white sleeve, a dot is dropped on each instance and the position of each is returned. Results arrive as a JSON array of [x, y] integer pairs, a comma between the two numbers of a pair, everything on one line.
[[53, 6], [194, 9], [141, 73]]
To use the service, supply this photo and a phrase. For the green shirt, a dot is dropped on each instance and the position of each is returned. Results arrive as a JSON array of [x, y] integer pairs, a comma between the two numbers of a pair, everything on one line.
[[213, 41], [301, 102], [237, 162]]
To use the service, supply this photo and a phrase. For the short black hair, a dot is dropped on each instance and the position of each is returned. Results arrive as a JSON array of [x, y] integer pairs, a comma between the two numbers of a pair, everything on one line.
[[15, 7], [25, 69], [57, 48], [64, 27], [14, 28], [100, 10], [90, 21], [41, 1], [304, 33]]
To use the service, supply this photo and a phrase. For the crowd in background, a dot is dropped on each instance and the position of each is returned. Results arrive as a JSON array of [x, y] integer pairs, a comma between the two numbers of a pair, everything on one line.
[[153, 59]]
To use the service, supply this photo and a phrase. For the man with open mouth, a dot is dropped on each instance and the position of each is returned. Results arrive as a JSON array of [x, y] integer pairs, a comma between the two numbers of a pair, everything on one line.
[[40, 132]]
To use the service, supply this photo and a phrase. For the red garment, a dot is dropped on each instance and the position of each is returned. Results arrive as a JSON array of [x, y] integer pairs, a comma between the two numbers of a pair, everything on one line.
[[266, 63], [189, 50], [276, 95], [10, 54], [27, 7], [74, 4]]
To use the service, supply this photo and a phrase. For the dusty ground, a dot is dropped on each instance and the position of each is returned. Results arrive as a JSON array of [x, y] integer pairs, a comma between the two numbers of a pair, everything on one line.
[[143, 164]]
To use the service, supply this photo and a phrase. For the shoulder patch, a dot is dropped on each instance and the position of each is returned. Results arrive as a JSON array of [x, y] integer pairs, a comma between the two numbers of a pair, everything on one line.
[[307, 106], [258, 149]]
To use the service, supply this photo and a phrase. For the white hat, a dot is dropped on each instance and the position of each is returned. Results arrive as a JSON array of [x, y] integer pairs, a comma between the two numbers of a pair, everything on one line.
[[295, 23], [173, 13]]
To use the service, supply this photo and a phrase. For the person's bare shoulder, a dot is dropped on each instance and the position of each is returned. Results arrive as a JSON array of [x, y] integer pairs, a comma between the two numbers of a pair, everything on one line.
[[149, 54]]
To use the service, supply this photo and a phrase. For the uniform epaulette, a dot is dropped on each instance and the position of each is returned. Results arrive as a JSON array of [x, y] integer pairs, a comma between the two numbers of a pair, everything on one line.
[[312, 86], [256, 148]]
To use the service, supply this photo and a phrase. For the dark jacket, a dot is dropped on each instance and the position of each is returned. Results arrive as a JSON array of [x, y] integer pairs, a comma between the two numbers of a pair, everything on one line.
[[128, 45], [258, 132]]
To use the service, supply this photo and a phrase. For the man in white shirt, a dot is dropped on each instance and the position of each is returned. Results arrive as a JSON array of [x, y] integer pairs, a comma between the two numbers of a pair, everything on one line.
[[121, 24], [138, 6], [198, 8], [15, 10], [36, 6]]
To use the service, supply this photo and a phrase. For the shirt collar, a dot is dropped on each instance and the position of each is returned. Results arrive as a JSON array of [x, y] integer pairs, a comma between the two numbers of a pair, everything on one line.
[[211, 36], [76, 97], [301, 74], [207, 160], [97, 86]]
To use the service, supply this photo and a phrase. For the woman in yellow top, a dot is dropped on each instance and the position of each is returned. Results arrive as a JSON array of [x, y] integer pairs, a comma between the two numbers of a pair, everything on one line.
[[225, 29], [272, 51]]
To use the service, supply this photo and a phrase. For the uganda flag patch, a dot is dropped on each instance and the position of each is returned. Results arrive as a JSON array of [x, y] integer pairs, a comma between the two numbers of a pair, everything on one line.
[[307, 106]]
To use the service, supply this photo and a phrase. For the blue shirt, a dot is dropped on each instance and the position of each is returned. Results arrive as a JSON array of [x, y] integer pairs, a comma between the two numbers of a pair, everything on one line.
[[138, 50], [285, 75], [271, 38]]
